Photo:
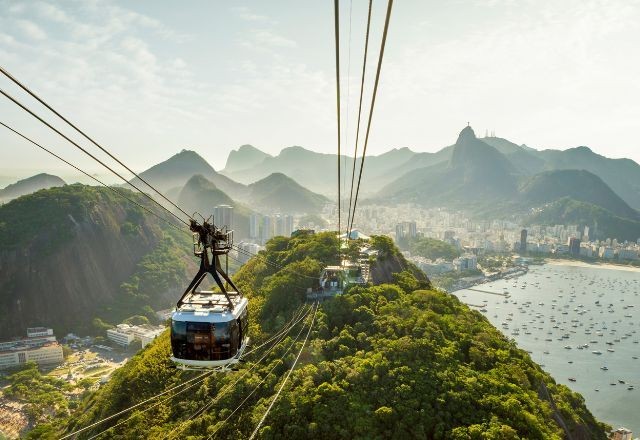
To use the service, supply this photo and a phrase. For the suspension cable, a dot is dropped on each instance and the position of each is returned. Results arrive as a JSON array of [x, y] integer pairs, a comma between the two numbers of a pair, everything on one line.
[[104, 150], [298, 315], [337, 38], [269, 262], [126, 410], [115, 190], [19, 104], [259, 383], [355, 150], [346, 123], [284, 382], [155, 405], [228, 387], [373, 102]]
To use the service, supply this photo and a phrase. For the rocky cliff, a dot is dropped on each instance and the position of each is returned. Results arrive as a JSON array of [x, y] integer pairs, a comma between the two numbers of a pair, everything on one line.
[[65, 254]]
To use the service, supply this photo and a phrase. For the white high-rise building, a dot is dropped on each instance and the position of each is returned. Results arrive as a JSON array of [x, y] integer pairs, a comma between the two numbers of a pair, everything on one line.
[[267, 228], [223, 216], [288, 225], [278, 221], [254, 226]]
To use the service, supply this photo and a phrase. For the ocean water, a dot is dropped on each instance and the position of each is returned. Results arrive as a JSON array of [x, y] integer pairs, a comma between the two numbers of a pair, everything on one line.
[[555, 309]]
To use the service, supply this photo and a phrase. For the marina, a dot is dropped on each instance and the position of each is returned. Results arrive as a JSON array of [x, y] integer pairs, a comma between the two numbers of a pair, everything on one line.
[[578, 323]]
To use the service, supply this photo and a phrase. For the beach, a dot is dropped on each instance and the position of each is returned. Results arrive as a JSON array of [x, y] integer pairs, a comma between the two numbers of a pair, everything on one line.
[[577, 263]]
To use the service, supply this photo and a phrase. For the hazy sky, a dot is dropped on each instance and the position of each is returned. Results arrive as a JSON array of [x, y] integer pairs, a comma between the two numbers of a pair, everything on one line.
[[148, 78]]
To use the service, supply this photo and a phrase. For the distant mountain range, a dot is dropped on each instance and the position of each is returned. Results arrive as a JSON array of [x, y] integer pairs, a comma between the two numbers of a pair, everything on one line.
[[481, 178], [244, 158], [188, 178], [602, 223], [476, 175], [173, 174], [281, 193], [579, 185], [490, 176], [317, 171], [29, 185], [201, 196]]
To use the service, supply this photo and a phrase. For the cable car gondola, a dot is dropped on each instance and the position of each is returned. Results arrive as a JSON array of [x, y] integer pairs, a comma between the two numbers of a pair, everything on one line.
[[209, 328]]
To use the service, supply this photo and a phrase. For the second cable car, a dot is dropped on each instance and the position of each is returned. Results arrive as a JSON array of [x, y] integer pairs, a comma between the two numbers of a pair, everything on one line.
[[209, 328]]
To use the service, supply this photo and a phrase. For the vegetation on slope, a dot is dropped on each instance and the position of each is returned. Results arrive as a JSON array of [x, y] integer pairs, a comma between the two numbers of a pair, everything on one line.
[[85, 242], [579, 185], [56, 209], [602, 223], [430, 248], [384, 361], [158, 279], [29, 185]]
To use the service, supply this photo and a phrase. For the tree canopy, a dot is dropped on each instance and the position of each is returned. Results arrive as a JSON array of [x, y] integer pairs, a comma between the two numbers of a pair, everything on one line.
[[383, 361]]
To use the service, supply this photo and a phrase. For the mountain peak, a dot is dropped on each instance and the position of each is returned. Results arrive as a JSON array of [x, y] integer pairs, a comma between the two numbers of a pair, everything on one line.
[[276, 178], [247, 147], [246, 156], [466, 134], [199, 181], [29, 185], [280, 192]]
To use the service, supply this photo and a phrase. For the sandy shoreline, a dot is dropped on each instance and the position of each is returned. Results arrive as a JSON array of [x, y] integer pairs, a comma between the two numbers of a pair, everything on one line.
[[559, 262]]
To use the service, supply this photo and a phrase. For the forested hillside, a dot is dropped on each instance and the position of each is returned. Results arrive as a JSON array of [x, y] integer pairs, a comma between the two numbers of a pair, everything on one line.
[[72, 254], [383, 361], [602, 222], [579, 185], [29, 185]]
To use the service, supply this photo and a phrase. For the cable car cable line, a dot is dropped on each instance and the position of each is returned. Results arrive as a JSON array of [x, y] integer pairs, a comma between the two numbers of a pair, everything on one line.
[[355, 150], [297, 317], [19, 104], [305, 286], [266, 376], [120, 193], [284, 381], [271, 263], [104, 150], [226, 388], [346, 124], [337, 38], [126, 410], [150, 407], [373, 102], [193, 381], [287, 269], [221, 316]]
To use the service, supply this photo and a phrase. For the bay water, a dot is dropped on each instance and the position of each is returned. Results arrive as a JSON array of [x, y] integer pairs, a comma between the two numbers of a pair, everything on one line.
[[580, 322]]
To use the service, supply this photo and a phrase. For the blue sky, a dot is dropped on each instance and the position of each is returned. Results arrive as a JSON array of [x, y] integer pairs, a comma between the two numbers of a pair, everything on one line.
[[149, 78]]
